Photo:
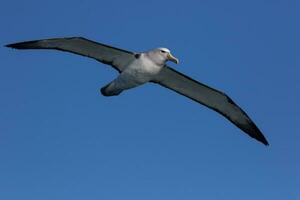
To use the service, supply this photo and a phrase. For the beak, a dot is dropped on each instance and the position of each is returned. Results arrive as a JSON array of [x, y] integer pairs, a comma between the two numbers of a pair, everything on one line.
[[172, 58]]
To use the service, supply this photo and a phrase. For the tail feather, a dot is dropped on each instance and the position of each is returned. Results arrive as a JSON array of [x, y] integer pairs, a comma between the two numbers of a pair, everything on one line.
[[108, 90]]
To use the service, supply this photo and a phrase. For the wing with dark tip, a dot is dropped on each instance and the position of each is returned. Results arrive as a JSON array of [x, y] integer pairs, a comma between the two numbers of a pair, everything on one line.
[[115, 57], [211, 98]]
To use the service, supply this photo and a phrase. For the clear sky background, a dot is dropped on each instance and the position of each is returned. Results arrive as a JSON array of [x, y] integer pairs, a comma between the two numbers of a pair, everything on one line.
[[60, 139]]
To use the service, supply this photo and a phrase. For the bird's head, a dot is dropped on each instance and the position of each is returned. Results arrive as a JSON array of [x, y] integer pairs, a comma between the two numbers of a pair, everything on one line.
[[162, 55]]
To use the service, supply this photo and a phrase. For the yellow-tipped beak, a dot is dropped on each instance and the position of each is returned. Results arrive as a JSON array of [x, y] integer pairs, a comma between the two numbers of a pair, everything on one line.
[[172, 58]]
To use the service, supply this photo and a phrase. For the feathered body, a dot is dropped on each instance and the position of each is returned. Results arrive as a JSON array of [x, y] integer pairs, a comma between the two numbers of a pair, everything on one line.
[[141, 70]]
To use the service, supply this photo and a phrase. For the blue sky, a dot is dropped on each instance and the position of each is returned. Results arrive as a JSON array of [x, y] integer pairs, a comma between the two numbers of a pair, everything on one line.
[[60, 139]]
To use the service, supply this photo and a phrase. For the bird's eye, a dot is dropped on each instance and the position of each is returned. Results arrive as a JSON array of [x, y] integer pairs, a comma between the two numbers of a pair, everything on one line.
[[162, 51]]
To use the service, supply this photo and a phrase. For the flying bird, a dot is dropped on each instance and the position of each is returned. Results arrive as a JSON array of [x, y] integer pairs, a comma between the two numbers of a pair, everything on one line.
[[136, 69]]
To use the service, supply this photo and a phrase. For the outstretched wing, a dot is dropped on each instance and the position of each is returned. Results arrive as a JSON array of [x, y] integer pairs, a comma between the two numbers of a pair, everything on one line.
[[211, 98], [115, 57]]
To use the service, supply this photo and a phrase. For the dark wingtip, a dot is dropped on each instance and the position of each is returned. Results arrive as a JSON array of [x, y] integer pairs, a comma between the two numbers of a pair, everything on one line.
[[15, 45], [23, 45], [9, 45], [20, 45], [264, 141], [258, 135], [262, 138]]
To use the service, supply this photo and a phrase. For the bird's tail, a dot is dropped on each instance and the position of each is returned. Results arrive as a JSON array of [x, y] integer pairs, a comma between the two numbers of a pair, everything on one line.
[[110, 90]]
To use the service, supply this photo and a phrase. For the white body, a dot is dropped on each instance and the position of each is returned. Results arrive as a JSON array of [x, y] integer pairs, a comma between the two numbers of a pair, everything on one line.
[[140, 71]]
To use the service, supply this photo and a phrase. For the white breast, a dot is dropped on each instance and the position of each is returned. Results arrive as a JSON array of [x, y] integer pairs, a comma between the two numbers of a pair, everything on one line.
[[142, 69]]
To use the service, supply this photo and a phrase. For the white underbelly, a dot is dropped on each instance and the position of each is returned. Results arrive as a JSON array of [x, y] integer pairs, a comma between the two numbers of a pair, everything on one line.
[[137, 73]]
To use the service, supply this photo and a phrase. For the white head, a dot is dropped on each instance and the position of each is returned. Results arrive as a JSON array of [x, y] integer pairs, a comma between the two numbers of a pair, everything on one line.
[[161, 55]]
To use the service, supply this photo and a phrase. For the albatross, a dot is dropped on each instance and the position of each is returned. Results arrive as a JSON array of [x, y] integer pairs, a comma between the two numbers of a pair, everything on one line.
[[136, 69]]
